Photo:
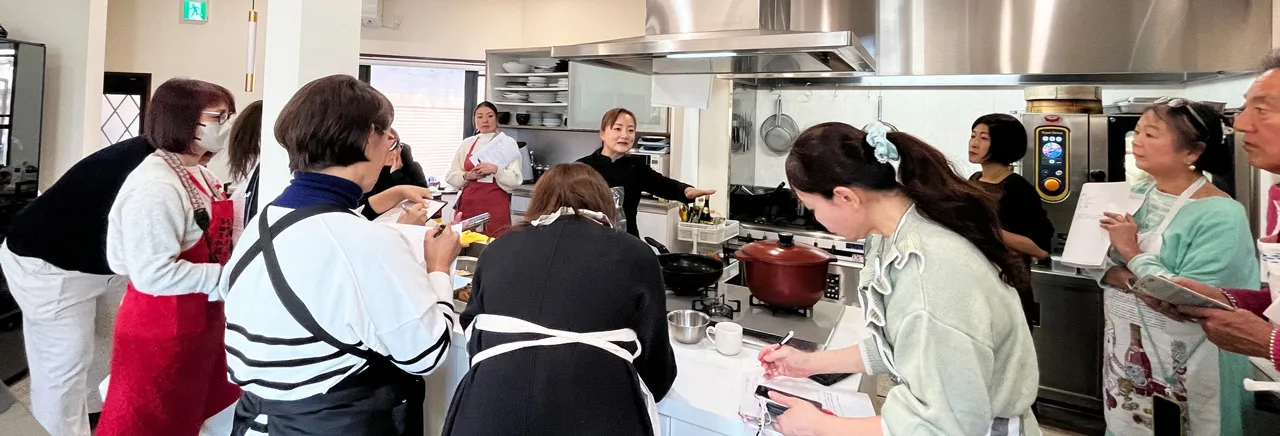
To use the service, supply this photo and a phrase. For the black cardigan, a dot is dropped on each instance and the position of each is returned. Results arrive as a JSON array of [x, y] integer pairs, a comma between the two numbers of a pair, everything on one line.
[[634, 175], [572, 275], [67, 224], [410, 174]]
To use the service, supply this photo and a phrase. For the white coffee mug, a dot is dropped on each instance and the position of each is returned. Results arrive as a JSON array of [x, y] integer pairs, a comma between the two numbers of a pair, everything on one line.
[[727, 338]]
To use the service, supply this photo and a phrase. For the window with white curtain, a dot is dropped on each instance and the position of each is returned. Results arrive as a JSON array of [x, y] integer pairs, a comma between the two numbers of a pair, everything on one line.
[[429, 104]]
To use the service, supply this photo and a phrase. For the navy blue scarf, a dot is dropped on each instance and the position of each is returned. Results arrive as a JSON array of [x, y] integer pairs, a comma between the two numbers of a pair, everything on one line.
[[310, 189]]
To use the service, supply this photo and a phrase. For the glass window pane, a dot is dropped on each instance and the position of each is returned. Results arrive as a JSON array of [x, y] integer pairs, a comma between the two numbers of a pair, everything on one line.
[[428, 104]]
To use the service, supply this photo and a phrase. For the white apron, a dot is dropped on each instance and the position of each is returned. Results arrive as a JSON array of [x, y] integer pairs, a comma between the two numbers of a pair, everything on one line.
[[601, 340], [1147, 354]]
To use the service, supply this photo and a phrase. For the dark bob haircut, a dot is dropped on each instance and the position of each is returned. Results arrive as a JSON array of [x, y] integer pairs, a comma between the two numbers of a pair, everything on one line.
[[327, 122], [175, 109], [1008, 138]]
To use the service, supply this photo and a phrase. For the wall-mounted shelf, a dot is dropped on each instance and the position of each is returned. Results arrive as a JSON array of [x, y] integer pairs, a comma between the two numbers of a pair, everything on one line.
[[507, 103], [531, 75], [531, 89]]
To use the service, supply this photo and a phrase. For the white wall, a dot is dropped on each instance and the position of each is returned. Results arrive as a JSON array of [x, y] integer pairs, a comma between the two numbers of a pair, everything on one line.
[[73, 31], [464, 29], [148, 36]]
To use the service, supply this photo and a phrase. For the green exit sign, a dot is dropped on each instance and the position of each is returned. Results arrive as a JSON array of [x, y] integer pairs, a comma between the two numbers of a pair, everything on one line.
[[195, 11]]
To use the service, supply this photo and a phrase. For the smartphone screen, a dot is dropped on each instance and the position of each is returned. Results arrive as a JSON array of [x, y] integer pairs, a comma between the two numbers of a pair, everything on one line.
[[762, 391], [1167, 417]]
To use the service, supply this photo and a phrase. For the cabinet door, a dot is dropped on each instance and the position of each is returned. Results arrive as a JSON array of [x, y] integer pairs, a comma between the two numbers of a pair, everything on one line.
[[594, 90], [656, 226]]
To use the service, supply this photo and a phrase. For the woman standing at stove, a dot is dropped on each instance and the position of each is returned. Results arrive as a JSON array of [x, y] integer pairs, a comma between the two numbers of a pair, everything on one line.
[[944, 318], [996, 141]]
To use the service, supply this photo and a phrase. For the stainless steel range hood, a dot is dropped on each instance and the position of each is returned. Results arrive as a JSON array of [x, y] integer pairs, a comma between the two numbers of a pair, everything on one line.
[[742, 37]]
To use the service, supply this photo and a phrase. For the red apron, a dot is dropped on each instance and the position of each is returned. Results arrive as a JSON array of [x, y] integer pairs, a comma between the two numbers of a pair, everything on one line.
[[168, 362], [478, 198]]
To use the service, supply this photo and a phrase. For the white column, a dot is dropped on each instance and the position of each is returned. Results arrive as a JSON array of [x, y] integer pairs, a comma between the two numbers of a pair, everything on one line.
[[713, 127], [307, 40], [74, 33]]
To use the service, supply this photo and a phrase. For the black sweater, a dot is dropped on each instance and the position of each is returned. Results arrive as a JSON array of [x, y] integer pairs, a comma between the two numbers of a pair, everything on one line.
[[410, 174], [67, 225], [572, 275], [634, 175]]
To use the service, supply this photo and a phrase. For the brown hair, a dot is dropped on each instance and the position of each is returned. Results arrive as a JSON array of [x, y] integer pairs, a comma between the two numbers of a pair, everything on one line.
[[612, 116], [830, 155], [574, 185], [175, 110], [246, 139], [327, 122]]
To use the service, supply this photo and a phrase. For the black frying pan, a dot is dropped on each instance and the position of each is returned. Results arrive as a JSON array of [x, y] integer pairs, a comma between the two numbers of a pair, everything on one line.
[[686, 273]]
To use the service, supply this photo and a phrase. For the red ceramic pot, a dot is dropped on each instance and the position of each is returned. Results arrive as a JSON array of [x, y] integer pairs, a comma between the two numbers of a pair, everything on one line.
[[783, 274]]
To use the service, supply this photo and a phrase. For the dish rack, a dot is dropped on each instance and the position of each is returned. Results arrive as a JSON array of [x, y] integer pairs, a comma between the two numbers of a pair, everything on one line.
[[714, 234]]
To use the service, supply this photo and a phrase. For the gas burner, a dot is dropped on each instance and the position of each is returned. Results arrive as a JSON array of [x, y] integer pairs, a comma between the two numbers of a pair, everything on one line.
[[718, 307], [806, 312], [705, 292]]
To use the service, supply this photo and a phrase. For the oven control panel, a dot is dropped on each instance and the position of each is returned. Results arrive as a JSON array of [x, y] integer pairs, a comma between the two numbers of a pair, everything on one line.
[[1053, 145]]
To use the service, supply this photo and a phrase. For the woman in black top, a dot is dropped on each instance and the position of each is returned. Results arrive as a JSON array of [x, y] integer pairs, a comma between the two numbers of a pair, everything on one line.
[[402, 177], [565, 269], [995, 142], [632, 176]]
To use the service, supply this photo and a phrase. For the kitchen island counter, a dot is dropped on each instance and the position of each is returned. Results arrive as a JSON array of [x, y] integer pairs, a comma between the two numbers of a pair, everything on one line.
[[706, 394]]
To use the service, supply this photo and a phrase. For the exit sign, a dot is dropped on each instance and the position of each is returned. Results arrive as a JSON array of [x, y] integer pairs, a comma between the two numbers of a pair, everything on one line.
[[195, 11]]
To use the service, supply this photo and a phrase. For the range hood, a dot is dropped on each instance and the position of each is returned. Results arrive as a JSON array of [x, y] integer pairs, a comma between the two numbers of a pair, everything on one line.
[[742, 37]]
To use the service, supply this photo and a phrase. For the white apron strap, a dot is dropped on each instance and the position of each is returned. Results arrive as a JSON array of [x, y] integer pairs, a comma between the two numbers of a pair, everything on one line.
[[1177, 205], [602, 340]]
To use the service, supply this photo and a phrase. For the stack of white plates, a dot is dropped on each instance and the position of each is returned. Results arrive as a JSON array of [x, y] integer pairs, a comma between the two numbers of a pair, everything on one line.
[[542, 97], [544, 68], [562, 83], [562, 96], [517, 97], [537, 82], [551, 119], [514, 85], [535, 118]]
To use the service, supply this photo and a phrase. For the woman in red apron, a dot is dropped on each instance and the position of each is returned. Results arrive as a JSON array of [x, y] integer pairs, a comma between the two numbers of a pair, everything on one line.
[[486, 186], [168, 367]]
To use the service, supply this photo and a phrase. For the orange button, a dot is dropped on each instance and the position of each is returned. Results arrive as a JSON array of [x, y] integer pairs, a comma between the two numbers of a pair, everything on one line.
[[1052, 184]]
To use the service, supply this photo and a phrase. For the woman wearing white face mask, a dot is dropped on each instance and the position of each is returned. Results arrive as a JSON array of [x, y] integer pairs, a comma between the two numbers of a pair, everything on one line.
[[169, 231]]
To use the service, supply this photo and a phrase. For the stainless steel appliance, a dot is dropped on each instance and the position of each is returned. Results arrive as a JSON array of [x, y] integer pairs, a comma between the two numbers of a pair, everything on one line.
[[1065, 152]]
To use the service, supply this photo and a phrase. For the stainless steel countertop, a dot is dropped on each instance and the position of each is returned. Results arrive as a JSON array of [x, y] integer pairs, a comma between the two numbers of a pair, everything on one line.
[[648, 205]]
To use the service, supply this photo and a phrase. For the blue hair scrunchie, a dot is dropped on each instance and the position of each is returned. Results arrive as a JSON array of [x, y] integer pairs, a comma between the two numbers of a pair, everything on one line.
[[885, 151]]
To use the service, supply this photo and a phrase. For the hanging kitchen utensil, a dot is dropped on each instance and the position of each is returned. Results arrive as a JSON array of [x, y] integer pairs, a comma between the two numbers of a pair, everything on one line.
[[778, 130]]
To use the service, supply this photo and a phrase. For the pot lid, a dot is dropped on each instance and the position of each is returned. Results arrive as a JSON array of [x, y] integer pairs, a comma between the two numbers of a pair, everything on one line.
[[784, 251]]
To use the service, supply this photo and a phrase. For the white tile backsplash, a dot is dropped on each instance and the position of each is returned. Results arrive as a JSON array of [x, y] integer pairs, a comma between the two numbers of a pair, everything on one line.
[[940, 116]]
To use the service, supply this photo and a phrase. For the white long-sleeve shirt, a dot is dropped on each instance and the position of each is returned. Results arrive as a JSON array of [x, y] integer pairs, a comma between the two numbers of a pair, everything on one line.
[[508, 178], [362, 283], [150, 224]]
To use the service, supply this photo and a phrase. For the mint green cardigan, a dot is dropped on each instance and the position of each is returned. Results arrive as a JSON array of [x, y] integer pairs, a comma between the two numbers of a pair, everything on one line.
[[1208, 241]]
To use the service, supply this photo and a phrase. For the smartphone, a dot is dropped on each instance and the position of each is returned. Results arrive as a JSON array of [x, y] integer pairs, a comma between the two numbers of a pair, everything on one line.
[[1167, 291], [1167, 417], [472, 223], [774, 407]]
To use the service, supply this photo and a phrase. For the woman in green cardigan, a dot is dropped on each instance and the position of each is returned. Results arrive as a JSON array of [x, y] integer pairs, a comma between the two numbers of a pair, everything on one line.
[[1187, 228], [945, 322]]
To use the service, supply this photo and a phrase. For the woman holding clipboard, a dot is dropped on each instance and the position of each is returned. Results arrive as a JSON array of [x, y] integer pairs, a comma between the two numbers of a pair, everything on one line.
[[486, 168]]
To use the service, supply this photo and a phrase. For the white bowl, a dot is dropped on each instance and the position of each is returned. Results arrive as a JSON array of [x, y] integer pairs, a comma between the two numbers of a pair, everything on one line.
[[517, 68], [551, 122]]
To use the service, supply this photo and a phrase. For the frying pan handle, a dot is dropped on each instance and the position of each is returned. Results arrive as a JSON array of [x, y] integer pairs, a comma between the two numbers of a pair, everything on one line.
[[662, 249]]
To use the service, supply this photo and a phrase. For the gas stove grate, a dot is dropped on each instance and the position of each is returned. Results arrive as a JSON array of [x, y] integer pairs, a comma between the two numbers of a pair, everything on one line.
[[806, 312]]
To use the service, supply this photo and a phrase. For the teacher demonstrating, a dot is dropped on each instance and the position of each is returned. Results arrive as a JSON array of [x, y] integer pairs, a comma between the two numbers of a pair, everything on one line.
[[486, 186], [627, 177]]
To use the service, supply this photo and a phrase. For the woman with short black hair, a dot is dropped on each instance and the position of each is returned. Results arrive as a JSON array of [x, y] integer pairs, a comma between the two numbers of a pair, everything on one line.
[[333, 319], [169, 231], [996, 141]]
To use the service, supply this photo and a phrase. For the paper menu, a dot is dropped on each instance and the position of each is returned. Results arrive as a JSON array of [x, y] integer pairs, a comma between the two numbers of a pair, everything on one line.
[[1087, 242], [843, 404], [500, 151]]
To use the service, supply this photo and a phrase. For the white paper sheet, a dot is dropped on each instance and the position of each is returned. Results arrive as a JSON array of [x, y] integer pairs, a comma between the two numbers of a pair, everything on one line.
[[843, 404], [390, 216], [1087, 241], [500, 151]]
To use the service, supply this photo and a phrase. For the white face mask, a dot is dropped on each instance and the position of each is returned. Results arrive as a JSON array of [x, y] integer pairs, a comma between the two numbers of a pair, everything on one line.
[[214, 137]]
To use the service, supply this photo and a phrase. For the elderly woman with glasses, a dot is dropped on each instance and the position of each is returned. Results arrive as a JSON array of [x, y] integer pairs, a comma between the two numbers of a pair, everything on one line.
[[1155, 361], [169, 231]]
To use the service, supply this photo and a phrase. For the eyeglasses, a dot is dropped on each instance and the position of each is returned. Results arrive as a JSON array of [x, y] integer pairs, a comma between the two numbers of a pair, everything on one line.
[[222, 116], [395, 144], [1201, 127]]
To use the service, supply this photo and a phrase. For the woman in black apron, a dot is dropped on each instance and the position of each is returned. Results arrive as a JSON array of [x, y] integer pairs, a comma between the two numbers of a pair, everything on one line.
[[330, 332]]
